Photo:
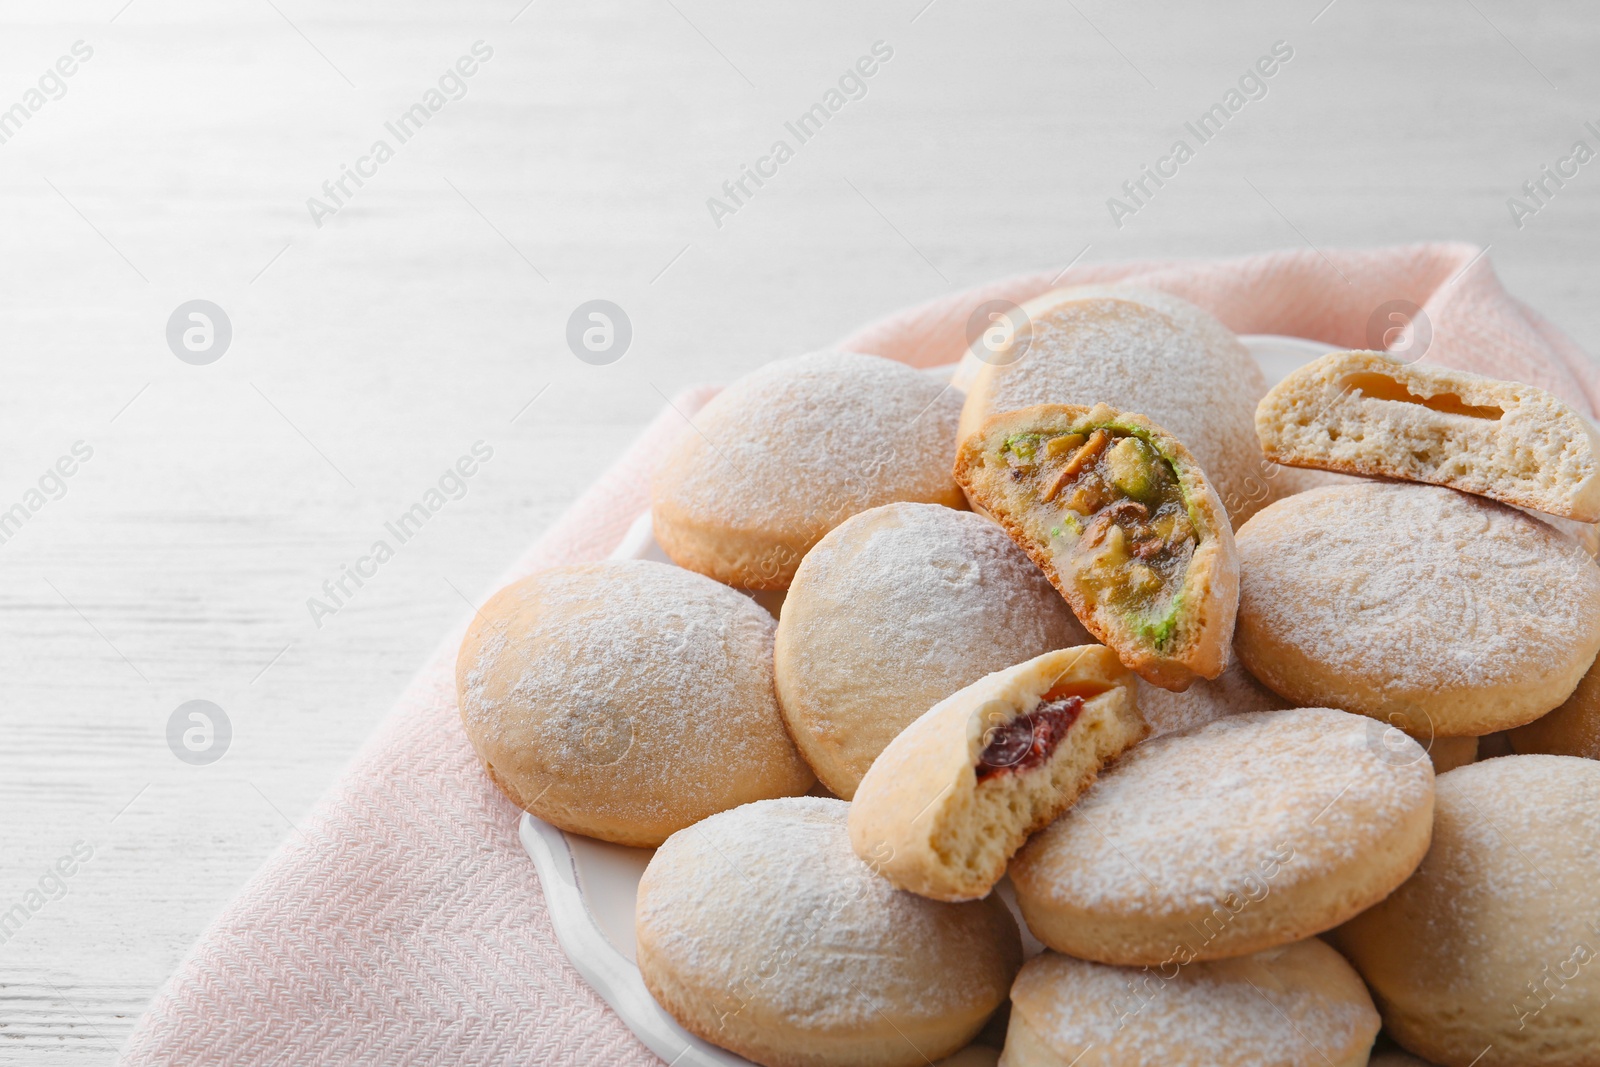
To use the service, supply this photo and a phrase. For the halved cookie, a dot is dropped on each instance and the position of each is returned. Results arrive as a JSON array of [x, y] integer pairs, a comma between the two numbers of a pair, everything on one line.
[[1368, 413], [1123, 522], [944, 807]]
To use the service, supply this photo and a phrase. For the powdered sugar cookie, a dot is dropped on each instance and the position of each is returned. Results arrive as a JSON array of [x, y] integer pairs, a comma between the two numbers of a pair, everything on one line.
[[1290, 822], [947, 803], [760, 931], [1296, 1006], [1443, 613], [625, 699], [1136, 350], [1490, 954], [1573, 729], [785, 454], [893, 611]]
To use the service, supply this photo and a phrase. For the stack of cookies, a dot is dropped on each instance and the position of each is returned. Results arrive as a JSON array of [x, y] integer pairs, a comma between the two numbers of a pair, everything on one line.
[[1103, 708]]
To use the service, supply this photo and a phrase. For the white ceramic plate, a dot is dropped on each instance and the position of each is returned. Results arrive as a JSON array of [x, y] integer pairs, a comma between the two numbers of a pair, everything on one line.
[[590, 886]]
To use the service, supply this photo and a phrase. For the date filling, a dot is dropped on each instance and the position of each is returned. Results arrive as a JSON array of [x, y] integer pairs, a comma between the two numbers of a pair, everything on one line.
[[1028, 741], [1118, 522]]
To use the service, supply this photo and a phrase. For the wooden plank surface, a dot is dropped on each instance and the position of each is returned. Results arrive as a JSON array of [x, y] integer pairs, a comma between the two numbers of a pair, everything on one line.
[[372, 351]]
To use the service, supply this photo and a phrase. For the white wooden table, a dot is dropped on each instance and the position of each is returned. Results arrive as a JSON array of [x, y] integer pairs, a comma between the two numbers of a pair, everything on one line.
[[372, 351]]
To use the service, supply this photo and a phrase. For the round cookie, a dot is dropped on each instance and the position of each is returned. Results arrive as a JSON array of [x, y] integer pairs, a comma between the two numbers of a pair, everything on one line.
[[1137, 350], [891, 612], [1573, 729], [1296, 1006], [785, 454], [1442, 613], [1490, 954], [760, 931], [1253, 831], [625, 699]]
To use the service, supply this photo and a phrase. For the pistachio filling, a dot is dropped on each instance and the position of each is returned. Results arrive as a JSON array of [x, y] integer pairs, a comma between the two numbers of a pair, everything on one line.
[[1121, 528]]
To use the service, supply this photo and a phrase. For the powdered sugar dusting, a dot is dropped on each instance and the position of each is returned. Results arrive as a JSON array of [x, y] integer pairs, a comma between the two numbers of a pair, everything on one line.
[[1184, 820], [809, 441], [898, 608], [1416, 588], [1234, 690], [768, 906], [1511, 883], [1296, 1006], [646, 681]]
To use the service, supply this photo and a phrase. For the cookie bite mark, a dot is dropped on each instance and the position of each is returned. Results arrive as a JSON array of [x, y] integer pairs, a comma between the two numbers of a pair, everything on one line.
[[951, 799], [1123, 522]]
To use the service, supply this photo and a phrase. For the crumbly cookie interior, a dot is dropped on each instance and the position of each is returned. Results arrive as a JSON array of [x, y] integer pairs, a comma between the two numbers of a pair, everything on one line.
[[1112, 510], [1026, 770]]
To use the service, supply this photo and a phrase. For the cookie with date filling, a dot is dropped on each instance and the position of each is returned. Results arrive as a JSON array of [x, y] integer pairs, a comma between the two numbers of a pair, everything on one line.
[[1123, 522], [1372, 414], [945, 806]]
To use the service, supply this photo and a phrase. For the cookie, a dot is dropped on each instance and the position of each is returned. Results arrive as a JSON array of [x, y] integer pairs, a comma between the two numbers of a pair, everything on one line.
[[1587, 534], [1124, 523], [787, 453], [1370, 413], [1490, 954], [1296, 1006], [1253, 831], [1442, 613], [626, 699], [959, 790], [1137, 350], [761, 932], [1207, 700], [891, 612], [1573, 729], [1448, 753]]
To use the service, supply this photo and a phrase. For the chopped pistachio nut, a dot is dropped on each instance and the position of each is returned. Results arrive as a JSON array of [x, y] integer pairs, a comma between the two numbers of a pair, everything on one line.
[[1132, 468]]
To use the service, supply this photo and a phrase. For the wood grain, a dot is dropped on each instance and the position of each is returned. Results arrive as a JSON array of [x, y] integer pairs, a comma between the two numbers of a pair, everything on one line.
[[371, 352]]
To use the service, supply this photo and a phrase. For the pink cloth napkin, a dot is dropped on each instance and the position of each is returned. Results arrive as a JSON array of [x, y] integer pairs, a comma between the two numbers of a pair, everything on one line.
[[405, 924]]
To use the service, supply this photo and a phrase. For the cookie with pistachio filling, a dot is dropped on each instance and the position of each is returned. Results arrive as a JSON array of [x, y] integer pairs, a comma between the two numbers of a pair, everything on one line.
[[1124, 523]]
